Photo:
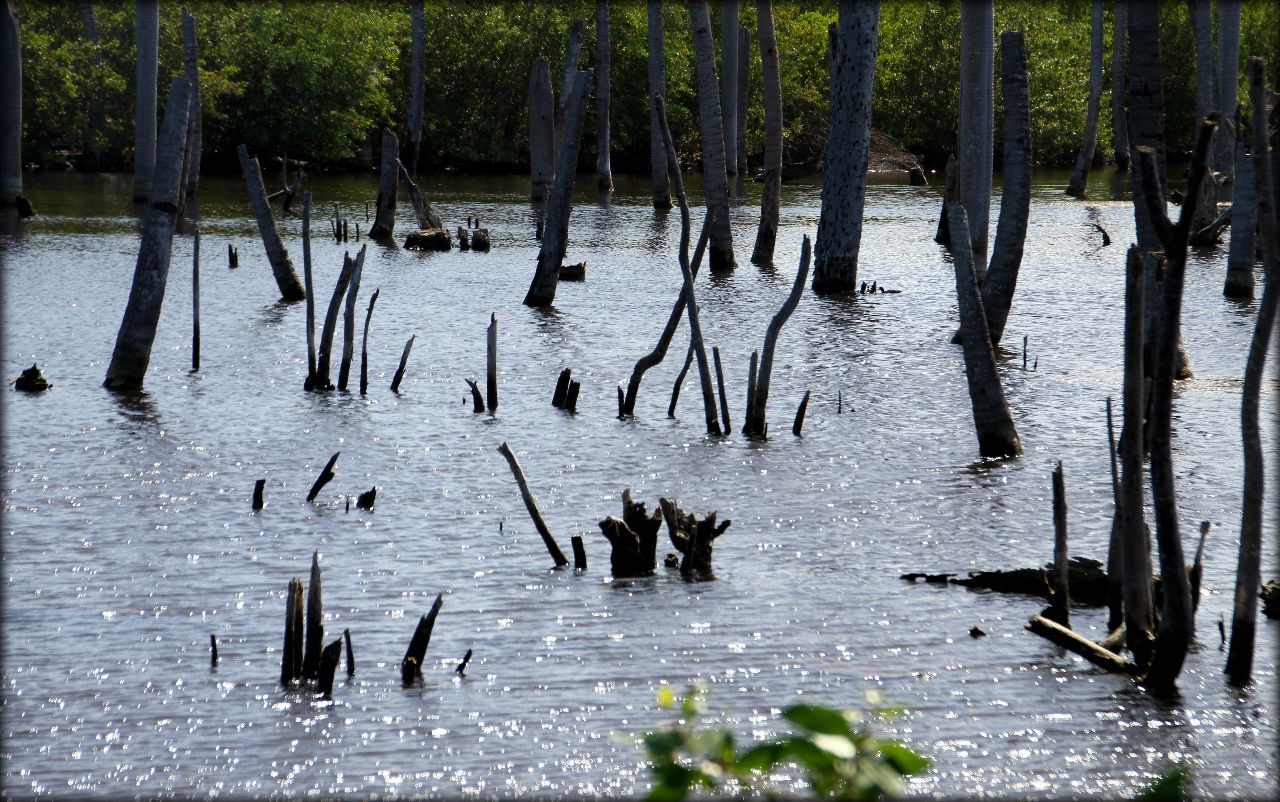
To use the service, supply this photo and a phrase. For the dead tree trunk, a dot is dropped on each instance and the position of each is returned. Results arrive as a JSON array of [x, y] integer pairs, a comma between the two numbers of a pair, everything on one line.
[[1119, 124], [326, 476], [604, 172], [633, 539], [1084, 159], [416, 654], [532, 507], [349, 326], [384, 221], [657, 86], [542, 130], [1060, 598], [729, 16], [686, 270], [1244, 616], [1205, 203], [756, 425], [349, 267], [291, 654], [977, 119], [744, 98], [1135, 548], [1241, 253], [309, 291], [997, 436], [195, 298], [950, 195], [132, 352], [147, 17], [491, 364], [291, 288], [572, 53], [1145, 112], [1173, 637], [1227, 76], [1015, 201], [692, 537], [417, 83], [315, 622], [711, 122], [191, 58], [364, 345], [771, 197], [404, 361], [844, 187], [555, 237], [422, 211]]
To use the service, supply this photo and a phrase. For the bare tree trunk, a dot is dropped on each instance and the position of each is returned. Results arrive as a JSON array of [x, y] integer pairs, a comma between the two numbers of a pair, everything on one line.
[[323, 358], [1119, 124], [977, 119], [384, 221], [349, 327], [1228, 77], [1241, 253], [604, 172], [291, 288], [97, 111], [1135, 548], [657, 86], [555, 237], [566, 85], [714, 168], [310, 292], [1061, 599], [1205, 204], [997, 436], [1244, 616], [1015, 201], [771, 200], [132, 353], [729, 16], [744, 97], [542, 133], [191, 57], [1145, 111], [10, 107], [1173, 637], [756, 424], [417, 84], [144, 150], [1084, 160], [844, 187]]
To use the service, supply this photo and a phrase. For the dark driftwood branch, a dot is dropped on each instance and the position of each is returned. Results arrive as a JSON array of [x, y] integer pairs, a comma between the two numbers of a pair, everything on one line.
[[692, 537], [532, 507], [324, 477], [404, 361], [1072, 642], [427, 218], [416, 654], [760, 397]]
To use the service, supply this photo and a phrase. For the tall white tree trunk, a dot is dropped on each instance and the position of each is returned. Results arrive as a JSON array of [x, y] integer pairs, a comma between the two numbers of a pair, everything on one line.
[[844, 187], [144, 150], [977, 121], [729, 15], [10, 106], [657, 86], [771, 198], [1228, 79], [715, 172], [1084, 159], [604, 172]]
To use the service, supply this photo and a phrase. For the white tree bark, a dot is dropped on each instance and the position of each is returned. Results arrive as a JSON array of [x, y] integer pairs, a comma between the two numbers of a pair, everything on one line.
[[844, 187], [977, 121], [144, 149], [715, 171], [542, 134], [729, 15]]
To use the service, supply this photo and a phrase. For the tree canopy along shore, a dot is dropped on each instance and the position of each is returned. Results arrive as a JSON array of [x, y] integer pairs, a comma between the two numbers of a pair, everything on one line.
[[321, 80]]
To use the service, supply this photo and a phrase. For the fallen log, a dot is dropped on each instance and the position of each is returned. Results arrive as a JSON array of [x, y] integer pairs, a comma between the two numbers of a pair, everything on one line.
[[1072, 642], [286, 277], [1086, 577], [692, 537], [426, 216], [416, 654], [532, 507]]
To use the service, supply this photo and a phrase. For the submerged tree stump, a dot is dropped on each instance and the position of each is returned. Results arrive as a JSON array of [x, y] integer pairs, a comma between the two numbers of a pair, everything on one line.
[[31, 381], [480, 240], [416, 654], [384, 222], [692, 537], [429, 239], [633, 538]]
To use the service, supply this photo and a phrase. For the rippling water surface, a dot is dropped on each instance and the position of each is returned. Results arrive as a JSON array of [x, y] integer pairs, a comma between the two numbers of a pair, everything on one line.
[[129, 537]]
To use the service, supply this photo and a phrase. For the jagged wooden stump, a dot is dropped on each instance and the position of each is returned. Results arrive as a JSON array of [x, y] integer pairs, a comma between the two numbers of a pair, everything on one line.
[[633, 538], [692, 537], [429, 239]]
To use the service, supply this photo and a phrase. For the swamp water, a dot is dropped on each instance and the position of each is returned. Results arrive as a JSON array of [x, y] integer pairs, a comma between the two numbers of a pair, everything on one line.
[[128, 535]]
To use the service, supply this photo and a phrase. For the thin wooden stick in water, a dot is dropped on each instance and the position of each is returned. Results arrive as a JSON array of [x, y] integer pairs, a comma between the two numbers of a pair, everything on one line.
[[306, 277], [532, 507], [404, 360], [351, 655], [364, 346], [675, 391], [724, 400], [491, 365], [799, 424], [195, 301], [324, 477]]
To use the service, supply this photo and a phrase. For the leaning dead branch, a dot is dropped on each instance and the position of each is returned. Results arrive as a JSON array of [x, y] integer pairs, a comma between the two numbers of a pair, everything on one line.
[[532, 506]]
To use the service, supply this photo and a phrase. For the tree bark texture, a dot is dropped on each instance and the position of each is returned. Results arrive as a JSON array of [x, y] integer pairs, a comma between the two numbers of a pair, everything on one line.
[[1084, 159], [191, 59], [771, 197], [1145, 103], [291, 288], [10, 106], [1241, 252], [729, 16], [977, 121], [1227, 80], [1135, 548], [555, 236], [1061, 599], [1244, 616], [132, 353], [1200, 13], [324, 357], [844, 187], [417, 83], [1119, 82], [711, 120], [147, 17], [384, 221], [997, 436], [756, 424], [542, 133], [657, 86], [349, 326], [604, 172], [572, 54], [744, 98], [1015, 200], [97, 108]]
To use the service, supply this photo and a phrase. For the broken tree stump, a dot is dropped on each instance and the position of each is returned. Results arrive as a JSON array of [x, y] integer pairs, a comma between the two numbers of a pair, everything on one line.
[[464, 239], [633, 539], [480, 243], [675, 390], [428, 239], [257, 493], [461, 670], [491, 365], [291, 654], [329, 659], [477, 400], [416, 654], [532, 507], [1060, 594], [324, 477], [574, 272], [1086, 577], [323, 357], [404, 360], [349, 325], [384, 220], [365, 500], [31, 381], [579, 553], [692, 537], [364, 345], [351, 655], [562, 389], [799, 424], [315, 623]]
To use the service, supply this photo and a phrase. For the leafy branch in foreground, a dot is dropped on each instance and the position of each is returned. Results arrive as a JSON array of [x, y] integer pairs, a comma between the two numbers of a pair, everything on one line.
[[843, 758]]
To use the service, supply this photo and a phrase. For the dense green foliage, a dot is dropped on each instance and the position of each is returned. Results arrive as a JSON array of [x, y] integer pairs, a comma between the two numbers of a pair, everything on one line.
[[320, 79], [841, 757]]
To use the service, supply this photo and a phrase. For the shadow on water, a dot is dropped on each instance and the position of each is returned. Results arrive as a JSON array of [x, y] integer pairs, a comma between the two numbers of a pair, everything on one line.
[[136, 407], [273, 314]]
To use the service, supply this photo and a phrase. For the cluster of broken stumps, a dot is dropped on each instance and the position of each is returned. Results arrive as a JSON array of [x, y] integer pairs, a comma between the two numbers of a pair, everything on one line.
[[634, 539]]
